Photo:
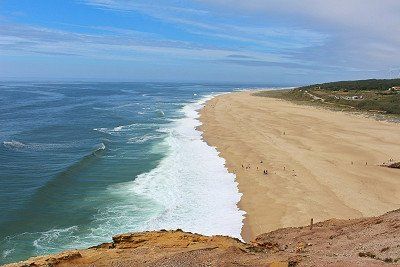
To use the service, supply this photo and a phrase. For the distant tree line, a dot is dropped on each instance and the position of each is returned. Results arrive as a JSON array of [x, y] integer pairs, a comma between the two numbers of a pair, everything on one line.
[[371, 84]]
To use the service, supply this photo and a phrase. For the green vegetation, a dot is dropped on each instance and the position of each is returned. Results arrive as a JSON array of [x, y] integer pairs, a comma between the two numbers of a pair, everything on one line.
[[365, 95], [372, 84]]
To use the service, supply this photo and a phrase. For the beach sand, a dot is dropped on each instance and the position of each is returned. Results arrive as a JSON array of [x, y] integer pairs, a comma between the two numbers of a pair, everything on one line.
[[321, 164]]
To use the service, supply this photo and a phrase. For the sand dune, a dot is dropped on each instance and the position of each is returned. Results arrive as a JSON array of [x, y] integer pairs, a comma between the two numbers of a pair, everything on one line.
[[321, 164]]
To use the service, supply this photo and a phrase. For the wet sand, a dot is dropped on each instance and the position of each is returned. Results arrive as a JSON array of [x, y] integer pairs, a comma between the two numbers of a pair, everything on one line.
[[321, 164]]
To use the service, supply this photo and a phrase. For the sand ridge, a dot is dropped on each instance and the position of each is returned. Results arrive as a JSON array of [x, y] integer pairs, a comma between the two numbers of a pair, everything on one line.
[[321, 164]]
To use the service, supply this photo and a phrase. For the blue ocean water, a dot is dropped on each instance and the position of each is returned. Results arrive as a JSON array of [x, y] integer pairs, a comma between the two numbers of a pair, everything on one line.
[[80, 162]]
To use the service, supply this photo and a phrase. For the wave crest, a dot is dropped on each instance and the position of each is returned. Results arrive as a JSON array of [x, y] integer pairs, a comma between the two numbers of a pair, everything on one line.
[[126, 129], [14, 144], [20, 146]]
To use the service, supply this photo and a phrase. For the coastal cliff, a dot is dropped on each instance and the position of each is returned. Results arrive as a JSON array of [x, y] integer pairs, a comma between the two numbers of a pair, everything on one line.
[[370, 241]]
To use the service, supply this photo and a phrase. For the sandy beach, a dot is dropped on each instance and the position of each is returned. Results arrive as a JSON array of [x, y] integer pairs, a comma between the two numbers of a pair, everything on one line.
[[320, 164]]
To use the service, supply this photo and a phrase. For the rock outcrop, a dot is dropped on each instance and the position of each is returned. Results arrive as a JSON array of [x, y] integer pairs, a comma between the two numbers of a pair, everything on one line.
[[360, 242]]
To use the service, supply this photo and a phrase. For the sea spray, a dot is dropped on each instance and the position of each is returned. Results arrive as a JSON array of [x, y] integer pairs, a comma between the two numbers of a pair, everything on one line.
[[191, 184]]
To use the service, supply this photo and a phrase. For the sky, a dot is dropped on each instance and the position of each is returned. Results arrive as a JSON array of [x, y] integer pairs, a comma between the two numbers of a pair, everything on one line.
[[252, 41]]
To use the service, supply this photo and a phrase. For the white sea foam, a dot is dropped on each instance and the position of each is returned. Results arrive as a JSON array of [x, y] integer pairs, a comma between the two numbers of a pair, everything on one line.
[[125, 128], [134, 104], [191, 183], [160, 112], [119, 128], [17, 145], [7, 252], [101, 146], [43, 243], [14, 144], [143, 139]]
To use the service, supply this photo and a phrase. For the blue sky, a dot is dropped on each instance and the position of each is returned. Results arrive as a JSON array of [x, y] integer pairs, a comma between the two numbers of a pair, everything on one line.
[[260, 41]]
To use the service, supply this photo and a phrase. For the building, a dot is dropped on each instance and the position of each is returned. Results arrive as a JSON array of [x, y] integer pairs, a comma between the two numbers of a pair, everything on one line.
[[355, 97]]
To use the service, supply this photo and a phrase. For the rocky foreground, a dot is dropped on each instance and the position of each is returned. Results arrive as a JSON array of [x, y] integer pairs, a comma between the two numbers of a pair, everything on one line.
[[371, 241]]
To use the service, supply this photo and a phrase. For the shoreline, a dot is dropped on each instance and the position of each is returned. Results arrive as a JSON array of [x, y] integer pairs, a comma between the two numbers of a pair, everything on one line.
[[246, 232], [188, 170], [309, 154]]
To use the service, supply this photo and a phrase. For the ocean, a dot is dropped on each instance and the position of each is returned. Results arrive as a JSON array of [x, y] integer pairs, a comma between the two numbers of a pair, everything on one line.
[[81, 162]]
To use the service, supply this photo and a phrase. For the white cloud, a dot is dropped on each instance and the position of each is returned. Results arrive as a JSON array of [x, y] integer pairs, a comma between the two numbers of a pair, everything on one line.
[[206, 23], [367, 14], [115, 44], [376, 19], [314, 35]]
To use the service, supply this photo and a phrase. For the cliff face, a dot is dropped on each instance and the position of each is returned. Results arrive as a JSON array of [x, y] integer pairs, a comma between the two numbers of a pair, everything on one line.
[[371, 241], [362, 242], [163, 248]]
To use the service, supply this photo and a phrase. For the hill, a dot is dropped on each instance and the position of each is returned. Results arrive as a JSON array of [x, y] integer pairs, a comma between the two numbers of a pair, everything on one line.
[[377, 96]]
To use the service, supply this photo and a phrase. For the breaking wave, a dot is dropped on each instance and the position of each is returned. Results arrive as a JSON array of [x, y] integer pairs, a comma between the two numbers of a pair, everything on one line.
[[191, 183]]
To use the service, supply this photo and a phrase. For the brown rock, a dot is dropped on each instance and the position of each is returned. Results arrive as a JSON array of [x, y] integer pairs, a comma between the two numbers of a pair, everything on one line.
[[359, 242]]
